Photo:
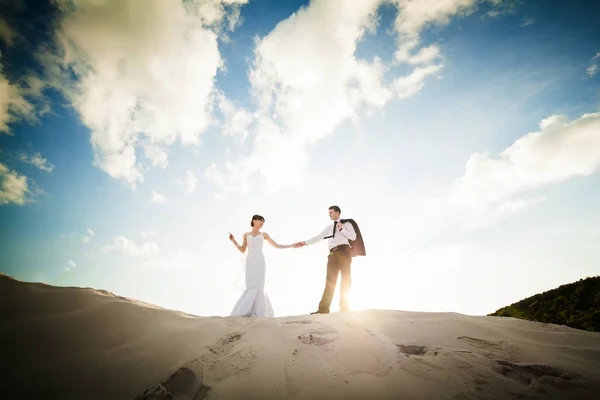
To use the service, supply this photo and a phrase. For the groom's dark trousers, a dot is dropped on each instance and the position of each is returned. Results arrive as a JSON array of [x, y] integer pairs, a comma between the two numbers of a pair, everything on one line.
[[338, 261]]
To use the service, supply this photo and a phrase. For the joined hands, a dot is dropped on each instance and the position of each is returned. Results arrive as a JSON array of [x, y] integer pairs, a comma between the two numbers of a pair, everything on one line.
[[298, 244]]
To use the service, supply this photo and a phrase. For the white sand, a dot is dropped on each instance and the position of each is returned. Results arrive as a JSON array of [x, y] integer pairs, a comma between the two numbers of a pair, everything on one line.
[[76, 343]]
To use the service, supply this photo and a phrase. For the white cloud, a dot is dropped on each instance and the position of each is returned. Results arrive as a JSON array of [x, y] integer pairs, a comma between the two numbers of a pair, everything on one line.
[[593, 69], [235, 177], [192, 181], [147, 234], [307, 80], [142, 82], [37, 160], [558, 151], [414, 15], [158, 197], [495, 187], [157, 156], [146, 250], [527, 22], [89, 234], [72, 264], [13, 187], [13, 105], [7, 34], [180, 260], [189, 180], [424, 56], [236, 120], [410, 85]]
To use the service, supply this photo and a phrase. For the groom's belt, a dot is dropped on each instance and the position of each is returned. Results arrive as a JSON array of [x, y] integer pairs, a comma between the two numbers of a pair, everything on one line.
[[340, 247]]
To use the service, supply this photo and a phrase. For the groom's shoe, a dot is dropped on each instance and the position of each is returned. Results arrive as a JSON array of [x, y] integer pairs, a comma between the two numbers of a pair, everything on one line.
[[319, 312]]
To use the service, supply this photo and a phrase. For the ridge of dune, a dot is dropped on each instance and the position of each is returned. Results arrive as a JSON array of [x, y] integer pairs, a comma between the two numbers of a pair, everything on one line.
[[100, 292], [83, 343]]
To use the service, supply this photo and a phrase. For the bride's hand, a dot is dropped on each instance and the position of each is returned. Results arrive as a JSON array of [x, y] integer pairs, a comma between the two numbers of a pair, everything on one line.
[[231, 237]]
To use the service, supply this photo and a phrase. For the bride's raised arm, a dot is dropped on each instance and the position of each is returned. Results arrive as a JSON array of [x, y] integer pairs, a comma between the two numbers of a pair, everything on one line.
[[241, 248], [276, 245], [244, 243]]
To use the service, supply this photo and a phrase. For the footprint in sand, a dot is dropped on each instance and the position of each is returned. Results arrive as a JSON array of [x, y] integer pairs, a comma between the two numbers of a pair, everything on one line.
[[223, 359], [544, 374], [482, 343], [184, 384], [503, 359], [319, 336], [325, 357], [317, 339], [412, 350], [493, 349], [228, 357]]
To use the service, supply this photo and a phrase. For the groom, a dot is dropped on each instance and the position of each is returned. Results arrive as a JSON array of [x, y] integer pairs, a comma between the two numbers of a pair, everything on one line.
[[339, 259]]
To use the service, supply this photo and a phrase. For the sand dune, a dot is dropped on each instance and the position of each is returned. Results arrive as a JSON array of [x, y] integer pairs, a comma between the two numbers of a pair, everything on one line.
[[81, 343]]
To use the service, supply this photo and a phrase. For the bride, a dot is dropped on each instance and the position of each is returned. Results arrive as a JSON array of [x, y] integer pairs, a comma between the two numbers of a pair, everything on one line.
[[254, 302]]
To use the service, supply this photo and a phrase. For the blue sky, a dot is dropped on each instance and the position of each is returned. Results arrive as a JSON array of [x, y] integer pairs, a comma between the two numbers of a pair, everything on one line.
[[462, 135]]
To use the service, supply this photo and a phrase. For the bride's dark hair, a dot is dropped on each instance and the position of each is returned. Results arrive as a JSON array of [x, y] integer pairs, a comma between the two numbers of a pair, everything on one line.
[[256, 217]]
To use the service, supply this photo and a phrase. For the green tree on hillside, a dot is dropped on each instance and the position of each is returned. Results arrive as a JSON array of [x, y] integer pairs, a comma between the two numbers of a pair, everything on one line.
[[575, 304]]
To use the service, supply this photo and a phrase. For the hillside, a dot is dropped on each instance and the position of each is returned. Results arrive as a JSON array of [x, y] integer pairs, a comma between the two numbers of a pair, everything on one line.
[[575, 304]]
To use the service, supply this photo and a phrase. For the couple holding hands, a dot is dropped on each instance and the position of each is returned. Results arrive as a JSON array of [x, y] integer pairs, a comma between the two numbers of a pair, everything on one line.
[[344, 241]]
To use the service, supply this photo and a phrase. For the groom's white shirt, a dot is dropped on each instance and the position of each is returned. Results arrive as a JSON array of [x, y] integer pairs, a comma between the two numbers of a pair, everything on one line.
[[341, 237]]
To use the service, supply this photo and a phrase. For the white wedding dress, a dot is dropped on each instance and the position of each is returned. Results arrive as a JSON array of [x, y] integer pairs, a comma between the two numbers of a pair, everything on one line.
[[254, 302]]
